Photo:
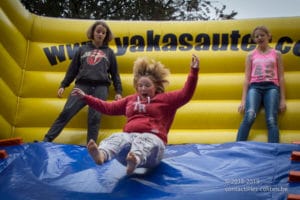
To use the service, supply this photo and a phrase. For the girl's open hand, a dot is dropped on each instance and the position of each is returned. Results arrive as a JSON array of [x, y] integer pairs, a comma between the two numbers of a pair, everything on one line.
[[195, 62], [78, 92]]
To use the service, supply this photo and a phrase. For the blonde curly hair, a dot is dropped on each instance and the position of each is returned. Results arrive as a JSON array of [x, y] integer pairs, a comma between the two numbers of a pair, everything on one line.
[[152, 69]]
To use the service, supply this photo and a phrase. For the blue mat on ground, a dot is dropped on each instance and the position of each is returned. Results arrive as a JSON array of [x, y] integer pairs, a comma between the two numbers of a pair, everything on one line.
[[238, 170]]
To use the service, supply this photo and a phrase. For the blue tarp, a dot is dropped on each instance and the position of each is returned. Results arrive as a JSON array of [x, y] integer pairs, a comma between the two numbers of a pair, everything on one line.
[[238, 170]]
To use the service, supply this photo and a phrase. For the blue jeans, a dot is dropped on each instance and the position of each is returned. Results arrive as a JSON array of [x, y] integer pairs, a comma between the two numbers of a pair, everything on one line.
[[265, 93]]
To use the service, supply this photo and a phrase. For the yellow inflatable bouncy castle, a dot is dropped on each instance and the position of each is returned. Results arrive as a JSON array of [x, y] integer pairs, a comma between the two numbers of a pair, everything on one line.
[[35, 52]]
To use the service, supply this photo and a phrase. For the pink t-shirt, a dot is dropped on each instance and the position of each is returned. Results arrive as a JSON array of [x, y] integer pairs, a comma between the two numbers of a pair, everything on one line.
[[264, 67]]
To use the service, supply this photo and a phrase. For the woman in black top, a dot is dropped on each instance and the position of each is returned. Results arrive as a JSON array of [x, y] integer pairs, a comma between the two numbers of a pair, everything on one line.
[[94, 68]]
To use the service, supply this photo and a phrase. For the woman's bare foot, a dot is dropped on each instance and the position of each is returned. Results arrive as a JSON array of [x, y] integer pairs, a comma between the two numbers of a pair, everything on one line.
[[132, 162], [96, 154]]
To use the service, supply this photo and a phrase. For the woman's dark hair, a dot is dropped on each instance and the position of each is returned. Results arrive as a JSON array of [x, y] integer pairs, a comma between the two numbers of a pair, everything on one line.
[[109, 35]]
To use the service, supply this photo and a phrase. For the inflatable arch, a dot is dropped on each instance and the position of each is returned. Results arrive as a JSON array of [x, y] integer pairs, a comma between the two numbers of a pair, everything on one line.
[[36, 51]]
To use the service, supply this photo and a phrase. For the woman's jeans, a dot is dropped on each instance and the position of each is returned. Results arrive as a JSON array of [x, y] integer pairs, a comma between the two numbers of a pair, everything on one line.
[[268, 94], [73, 105]]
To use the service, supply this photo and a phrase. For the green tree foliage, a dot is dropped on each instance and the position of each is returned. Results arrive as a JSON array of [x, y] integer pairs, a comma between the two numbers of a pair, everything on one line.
[[130, 9]]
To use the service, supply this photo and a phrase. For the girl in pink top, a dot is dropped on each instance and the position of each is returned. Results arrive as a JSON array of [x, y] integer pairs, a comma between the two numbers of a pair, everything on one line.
[[264, 85], [149, 112]]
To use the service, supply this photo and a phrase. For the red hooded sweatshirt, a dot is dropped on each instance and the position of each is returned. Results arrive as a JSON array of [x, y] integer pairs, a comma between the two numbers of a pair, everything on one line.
[[154, 115]]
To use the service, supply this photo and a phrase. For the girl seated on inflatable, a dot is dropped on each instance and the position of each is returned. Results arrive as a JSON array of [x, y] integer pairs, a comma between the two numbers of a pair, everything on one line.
[[149, 112]]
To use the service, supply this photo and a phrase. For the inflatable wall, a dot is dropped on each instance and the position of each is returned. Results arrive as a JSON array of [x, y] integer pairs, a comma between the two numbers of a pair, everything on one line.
[[35, 52]]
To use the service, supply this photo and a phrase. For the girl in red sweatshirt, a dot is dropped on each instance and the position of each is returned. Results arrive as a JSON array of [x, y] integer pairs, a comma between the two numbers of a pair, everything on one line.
[[149, 112]]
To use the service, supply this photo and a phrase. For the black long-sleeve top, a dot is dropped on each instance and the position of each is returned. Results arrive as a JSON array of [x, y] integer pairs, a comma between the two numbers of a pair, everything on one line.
[[95, 66]]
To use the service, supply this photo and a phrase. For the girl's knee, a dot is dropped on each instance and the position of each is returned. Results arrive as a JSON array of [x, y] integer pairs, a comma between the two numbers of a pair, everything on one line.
[[271, 121], [250, 116]]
